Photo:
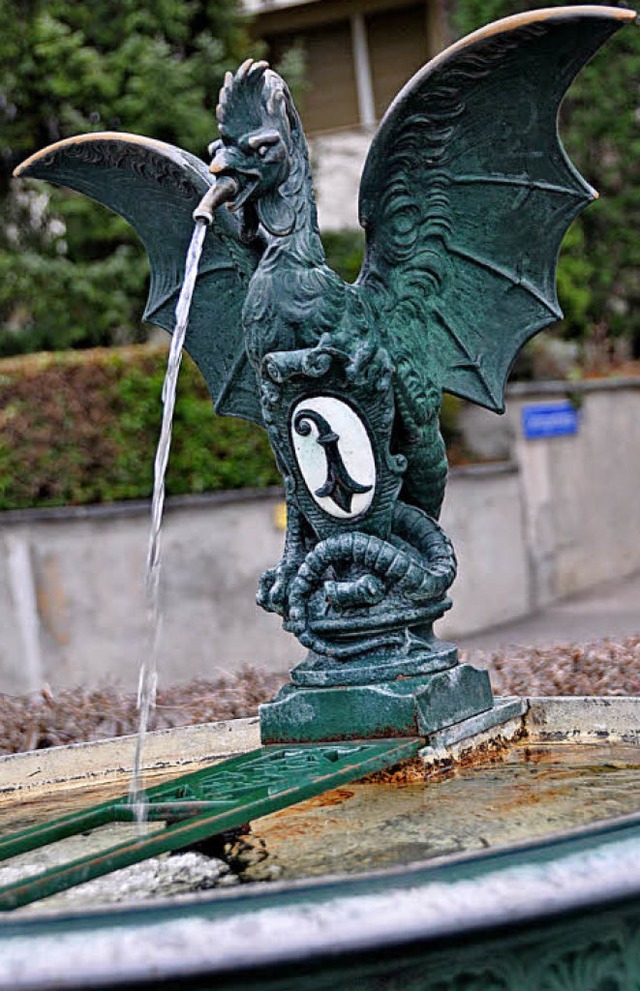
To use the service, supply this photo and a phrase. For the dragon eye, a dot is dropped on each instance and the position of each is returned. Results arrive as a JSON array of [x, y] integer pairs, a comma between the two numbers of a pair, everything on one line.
[[261, 143]]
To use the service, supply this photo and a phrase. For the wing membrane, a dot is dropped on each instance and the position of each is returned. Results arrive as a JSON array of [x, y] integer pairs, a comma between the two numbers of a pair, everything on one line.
[[155, 187], [467, 193]]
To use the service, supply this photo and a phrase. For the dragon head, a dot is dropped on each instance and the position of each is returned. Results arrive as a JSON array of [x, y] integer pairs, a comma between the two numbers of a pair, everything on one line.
[[255, 150]]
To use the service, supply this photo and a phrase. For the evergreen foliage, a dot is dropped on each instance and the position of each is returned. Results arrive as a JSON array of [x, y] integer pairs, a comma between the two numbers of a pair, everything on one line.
[[345, 250], [599, 273], [92, 433], [71, 273]]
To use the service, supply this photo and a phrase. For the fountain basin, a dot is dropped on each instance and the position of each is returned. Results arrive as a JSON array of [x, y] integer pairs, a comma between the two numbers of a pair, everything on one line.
[[517, 865]]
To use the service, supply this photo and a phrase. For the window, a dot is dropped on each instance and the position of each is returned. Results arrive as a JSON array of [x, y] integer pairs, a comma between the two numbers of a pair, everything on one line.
[[330, 101], [397, 48], [359, 55]]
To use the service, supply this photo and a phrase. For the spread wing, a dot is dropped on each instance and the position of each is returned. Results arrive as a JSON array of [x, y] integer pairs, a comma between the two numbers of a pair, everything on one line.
[[467, 193], [155, 187]]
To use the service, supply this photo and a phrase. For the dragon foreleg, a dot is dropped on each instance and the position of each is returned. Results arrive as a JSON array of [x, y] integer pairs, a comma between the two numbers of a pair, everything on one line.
[[273, 583]]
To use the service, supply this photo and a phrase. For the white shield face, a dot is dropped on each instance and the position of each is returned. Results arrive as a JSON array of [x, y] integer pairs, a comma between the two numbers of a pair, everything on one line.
[[334, 455]]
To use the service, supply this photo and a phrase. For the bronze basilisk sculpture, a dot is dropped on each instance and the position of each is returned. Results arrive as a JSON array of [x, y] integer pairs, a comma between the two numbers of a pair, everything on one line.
[[465, 197]]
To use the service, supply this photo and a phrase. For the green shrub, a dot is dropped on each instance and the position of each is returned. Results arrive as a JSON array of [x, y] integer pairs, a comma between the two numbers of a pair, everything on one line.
[[71, 273], [81, 426], [344, 252]]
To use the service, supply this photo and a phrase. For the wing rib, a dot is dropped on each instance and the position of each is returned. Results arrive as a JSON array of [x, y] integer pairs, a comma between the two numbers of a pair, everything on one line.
[[467, 191], [471, 363], [155, 187], [588, 195], [504, 273]]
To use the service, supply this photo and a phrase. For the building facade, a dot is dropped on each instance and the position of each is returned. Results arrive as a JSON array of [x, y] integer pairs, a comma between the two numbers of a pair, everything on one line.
[[358, 54]]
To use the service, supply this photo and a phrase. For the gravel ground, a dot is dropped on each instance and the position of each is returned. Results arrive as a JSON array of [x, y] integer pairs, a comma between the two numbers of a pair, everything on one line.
[[49, 719], [602, 667], [77, 715]]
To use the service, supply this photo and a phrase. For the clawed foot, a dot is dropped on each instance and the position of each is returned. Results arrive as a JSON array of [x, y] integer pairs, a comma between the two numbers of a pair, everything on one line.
[[273, 587]]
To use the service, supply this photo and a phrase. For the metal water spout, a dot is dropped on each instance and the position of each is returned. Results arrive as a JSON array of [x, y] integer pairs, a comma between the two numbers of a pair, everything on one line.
[[224, 190]]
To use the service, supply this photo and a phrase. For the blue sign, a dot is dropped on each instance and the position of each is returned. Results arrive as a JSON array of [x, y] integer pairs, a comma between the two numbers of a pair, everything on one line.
[[549, 420]]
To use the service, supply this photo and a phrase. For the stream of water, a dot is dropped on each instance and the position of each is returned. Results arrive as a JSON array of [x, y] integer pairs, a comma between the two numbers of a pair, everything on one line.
[[148, 678]]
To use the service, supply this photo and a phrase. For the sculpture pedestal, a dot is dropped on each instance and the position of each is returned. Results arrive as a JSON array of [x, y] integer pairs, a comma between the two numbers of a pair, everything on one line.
[[404, 706]]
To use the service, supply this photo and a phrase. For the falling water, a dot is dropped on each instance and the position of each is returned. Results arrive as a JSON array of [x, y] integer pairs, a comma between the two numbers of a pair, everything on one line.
[[148, 669]]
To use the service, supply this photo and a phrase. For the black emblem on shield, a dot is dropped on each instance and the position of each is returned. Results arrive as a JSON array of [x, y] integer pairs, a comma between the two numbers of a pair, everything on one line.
[[339, 485]]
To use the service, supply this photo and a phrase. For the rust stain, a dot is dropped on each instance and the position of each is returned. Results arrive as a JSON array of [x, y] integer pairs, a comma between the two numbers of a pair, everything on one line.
[[524, 798], [336, 797], [409, 772], [329, 798], [298, 828], [292, 822], [417, 771]]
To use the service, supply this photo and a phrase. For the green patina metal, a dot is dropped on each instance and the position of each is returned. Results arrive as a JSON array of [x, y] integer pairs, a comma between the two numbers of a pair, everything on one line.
[[465, 197], [200, 805], [566, 943]]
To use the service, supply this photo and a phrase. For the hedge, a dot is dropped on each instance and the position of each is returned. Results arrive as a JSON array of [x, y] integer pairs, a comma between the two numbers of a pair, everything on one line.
[[81, 427]]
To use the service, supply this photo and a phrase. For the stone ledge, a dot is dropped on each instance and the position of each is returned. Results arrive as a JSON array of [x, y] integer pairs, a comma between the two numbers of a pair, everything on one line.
[[584, 719], [547, 387], [181, 749], [573, 719], [137, 507]]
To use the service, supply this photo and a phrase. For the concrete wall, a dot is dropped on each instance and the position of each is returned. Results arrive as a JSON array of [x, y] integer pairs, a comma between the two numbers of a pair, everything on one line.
[[86, 573], [580, 494], [72, 601], [483, 517], [563, 517]]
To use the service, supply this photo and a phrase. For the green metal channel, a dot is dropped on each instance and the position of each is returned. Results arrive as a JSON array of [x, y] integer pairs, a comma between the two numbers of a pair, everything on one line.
[[200, 805]]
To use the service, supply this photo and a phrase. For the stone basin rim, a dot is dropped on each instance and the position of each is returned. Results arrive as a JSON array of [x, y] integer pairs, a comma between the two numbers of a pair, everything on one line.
[[415, 906], [571, 874], [581, 718]]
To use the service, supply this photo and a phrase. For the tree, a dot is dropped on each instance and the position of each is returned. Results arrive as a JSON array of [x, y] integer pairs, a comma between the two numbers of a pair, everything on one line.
[[599, 274], [72, 274]]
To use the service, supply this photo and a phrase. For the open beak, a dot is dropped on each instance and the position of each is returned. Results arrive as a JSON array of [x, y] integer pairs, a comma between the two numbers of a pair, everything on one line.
[[222, 167]]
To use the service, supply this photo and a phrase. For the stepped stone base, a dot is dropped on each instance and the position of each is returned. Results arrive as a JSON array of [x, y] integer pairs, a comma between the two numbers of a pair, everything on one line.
[[418, 706]]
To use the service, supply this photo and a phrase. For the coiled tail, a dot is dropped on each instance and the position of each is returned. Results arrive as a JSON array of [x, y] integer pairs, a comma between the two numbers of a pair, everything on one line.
[[413, 568]]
